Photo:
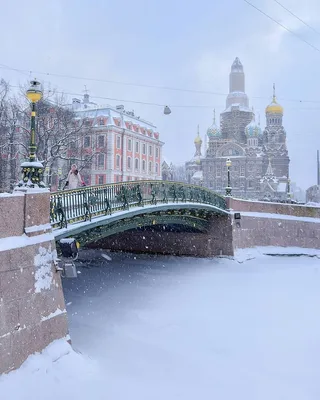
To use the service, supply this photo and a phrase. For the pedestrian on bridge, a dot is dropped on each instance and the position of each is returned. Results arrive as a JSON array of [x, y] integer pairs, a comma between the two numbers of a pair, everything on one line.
[[74, 179]]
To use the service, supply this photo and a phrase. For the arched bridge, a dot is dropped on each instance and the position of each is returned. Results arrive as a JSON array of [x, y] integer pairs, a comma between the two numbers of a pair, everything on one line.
[[95, 212]]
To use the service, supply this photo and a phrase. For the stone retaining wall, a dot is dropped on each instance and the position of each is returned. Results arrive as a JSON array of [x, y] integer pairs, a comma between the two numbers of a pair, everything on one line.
[[32, 307], [261, 231], [273, 208]]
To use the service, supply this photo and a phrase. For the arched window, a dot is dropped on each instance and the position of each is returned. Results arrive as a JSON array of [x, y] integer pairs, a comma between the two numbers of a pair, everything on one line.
[[143, 165], [118, 161], [129, 163], [136, 163], [157, 168], [150, 166]]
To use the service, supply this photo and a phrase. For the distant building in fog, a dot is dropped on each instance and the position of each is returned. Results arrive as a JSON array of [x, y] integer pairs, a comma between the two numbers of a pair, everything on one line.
[[313, 194], [260, 161]]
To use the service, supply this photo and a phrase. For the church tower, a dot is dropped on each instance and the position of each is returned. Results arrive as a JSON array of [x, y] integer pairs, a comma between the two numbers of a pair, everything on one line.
[[237, 114], [237, 93], [274, 141]]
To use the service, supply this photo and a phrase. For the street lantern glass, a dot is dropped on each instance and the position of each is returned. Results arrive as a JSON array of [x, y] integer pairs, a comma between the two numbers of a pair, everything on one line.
[[34, 93], [228, 163]]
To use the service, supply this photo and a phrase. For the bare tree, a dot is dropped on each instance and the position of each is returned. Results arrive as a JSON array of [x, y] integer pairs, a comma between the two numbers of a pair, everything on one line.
[[9, 138], [59, 138]]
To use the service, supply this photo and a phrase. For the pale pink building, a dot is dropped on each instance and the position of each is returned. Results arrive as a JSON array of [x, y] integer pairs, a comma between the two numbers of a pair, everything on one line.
[[127, 147]]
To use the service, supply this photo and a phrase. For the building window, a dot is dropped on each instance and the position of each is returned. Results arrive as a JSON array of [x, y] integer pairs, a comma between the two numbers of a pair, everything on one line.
[[118, 142], [143, 165], [150, 166], [129, 144], [100, 179], [100, 160], [101, 122], [136, 163], [144, 148], [150, 150], [101, 141], [118, 161], [242, 170], [137, 147], [250, 167], [250, 184], [218, 170], [157, 152], [86, 141], [157, 168], [129, 163]]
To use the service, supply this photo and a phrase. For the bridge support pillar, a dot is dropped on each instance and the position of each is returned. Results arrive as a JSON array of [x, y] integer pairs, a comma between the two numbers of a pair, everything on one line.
[[32, 307]]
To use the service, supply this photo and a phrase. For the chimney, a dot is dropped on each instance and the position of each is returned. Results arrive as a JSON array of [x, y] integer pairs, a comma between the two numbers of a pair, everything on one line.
[[75, 103]]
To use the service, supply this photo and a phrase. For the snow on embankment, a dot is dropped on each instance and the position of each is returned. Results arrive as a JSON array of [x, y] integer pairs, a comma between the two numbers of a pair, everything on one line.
[[57, 370], [242, 255]]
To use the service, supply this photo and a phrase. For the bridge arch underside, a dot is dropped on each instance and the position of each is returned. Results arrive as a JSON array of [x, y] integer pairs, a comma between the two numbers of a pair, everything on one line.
[[180, 231]]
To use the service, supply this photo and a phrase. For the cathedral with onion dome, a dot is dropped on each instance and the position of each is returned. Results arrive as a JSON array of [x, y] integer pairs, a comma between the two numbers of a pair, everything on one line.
[[259, 159]]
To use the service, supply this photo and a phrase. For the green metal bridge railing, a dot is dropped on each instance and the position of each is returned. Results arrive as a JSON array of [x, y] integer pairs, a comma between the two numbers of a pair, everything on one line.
[[82, 204]]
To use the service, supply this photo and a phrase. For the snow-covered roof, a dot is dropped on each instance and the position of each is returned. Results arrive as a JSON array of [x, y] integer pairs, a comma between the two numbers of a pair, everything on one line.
[[239, 106], [114, 116]]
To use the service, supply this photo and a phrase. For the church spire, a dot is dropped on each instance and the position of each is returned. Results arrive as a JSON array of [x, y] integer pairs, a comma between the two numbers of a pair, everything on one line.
[[269, 172], [198, 143], [237, 93], [274, 93]]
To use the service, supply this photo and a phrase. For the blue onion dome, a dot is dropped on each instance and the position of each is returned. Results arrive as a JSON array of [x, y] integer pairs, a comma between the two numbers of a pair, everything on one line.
[[213, 131], [253, 129]]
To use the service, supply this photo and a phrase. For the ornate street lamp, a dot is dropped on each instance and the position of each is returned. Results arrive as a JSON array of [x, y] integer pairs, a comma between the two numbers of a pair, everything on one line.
[[228, 188], [32, 170]]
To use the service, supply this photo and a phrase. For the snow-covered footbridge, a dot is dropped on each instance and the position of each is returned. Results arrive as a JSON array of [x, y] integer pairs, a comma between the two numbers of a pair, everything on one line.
[[93, 213]]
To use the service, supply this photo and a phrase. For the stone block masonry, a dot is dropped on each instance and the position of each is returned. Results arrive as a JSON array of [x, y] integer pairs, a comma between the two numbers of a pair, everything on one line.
[[275, 224], [32, 307]]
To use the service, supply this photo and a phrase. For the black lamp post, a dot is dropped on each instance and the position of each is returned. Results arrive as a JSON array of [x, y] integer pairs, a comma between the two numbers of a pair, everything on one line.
[[228, 188], [32, 170]]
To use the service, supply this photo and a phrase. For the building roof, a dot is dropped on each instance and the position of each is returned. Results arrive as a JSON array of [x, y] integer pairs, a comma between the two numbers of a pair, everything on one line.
[[113, 116], [213, 131]]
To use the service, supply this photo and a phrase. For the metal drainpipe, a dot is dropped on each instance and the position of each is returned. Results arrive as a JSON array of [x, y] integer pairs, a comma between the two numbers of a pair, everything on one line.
[[122, 172]]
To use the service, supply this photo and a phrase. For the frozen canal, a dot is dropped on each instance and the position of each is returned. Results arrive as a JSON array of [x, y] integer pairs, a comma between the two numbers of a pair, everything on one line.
[[180, 328]]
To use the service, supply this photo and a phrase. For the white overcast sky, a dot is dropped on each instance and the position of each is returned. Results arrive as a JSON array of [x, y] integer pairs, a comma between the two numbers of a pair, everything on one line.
[[179, 44]]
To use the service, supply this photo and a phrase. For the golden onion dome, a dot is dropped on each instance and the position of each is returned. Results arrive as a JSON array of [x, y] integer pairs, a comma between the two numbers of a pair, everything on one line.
[[274, 107], [198, 138]]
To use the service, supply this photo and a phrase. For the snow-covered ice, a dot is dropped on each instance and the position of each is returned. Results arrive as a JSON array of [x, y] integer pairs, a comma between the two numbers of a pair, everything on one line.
[[146, 327]]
